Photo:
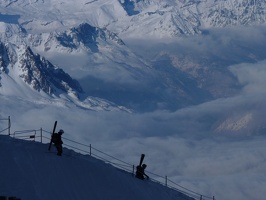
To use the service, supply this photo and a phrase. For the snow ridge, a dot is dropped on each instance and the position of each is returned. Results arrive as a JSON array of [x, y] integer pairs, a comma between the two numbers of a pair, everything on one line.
[[135, 18], [37, 72]]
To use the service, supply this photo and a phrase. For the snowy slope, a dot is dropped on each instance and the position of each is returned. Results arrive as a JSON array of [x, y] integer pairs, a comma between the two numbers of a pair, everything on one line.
[[29, 171]]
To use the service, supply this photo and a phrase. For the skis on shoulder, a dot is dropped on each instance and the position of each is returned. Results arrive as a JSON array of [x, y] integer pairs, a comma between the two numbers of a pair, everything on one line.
[[141, 159], [55, 123]]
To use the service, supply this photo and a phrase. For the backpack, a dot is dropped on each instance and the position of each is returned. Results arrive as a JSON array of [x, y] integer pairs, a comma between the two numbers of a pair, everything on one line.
[[55, 138]]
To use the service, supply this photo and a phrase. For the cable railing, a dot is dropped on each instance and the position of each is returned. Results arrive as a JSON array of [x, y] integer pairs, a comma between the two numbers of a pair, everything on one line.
[[171, 184], [99, 154], [41, 136], [31, 134]]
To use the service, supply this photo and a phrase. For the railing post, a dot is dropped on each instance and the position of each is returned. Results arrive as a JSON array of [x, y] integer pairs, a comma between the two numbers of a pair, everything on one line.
[[166, 181], [213, 198], [200, 197], [9, 125], [90, 149], [41, 134], [133, 170]]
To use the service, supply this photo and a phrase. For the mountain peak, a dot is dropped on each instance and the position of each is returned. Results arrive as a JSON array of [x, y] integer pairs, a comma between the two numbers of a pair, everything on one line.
[[42, 75], [36, 71]]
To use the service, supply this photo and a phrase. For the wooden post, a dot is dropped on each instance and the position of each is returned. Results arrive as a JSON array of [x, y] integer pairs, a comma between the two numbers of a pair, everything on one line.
[[90, 149], [165, 180], [133, 170]]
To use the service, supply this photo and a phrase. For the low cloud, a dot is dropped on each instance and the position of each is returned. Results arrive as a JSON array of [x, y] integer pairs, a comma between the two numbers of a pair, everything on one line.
[[226, 46], [251, 77]]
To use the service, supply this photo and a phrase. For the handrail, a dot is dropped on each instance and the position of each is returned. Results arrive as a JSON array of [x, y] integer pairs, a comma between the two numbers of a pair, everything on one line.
[[111, 156], [125, 166], [31, 136], [184, 189]]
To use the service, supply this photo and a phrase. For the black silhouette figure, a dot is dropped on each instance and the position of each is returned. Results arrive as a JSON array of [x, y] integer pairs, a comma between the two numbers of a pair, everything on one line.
[[141, 168], [140, 172], [57, 140]]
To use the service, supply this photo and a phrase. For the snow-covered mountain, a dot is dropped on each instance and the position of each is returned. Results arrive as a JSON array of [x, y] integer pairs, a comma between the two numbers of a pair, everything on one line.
[[100, 49], [20, 65], [153, 18], [38, 73], [84, 36]]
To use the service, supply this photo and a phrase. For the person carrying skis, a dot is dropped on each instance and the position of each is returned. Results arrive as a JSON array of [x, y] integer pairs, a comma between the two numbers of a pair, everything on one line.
[[140, 172], [57, 140]]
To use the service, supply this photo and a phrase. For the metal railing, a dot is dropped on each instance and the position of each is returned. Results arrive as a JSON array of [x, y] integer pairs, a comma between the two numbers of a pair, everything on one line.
[[92, 151], [44, 136]]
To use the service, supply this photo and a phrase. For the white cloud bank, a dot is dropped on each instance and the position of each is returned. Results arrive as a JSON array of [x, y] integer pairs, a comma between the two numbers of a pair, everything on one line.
[[252, 77]]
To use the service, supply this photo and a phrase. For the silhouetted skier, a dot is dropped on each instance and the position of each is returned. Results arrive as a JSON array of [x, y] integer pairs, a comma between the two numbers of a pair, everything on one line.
[[57, 140], [140, 172], [140, 169]]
